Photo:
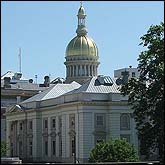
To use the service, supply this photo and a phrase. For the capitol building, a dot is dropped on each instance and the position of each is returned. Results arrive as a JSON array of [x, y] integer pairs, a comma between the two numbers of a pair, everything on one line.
[[66, 120]]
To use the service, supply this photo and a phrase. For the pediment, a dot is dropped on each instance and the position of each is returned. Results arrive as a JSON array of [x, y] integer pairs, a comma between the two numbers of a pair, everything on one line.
[[15, 108]]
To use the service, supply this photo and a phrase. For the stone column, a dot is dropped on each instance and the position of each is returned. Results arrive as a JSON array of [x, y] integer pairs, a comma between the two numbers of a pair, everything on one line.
[[69, 70], [92, 70], [80, 70], [96, 70], [73, 71], [76, 70], [88, 70], [85, 70], [66, 71]]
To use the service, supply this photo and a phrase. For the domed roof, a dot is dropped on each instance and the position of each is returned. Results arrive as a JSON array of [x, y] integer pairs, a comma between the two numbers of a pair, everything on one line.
[[82, 46]]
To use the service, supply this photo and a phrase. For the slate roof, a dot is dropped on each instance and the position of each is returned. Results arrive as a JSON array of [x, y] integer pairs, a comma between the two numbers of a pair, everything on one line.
[[53, 92], [91, 86]]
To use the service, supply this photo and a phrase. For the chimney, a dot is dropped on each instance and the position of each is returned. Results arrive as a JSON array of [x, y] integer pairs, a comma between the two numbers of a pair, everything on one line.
[[30, 80], [7, 82], [47, 81]]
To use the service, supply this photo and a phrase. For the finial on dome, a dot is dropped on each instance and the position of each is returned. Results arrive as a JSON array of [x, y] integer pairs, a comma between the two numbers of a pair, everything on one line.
[[81, 3], [81, 29]]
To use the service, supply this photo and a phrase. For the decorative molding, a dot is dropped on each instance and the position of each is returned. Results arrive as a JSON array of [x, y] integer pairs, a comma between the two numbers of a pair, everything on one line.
[[29, 135], [99, 132], [53, 134], [72, 133], [45, 134]]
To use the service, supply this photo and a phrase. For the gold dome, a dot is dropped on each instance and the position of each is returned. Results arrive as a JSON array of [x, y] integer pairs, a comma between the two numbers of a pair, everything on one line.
[[82, 46]]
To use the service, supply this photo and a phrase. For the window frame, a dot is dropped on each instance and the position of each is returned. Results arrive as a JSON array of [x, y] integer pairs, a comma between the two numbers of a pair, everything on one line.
[[54, 147], [30, 125], [45, 123], [20, 126], [133, 74], [96, 120], [30, 147], [53, 123], [46, 147], [125, 123]]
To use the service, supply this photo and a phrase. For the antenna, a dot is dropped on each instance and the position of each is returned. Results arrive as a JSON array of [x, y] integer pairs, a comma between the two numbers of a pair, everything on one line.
[[36, 78], [81, 3], [19, 60]]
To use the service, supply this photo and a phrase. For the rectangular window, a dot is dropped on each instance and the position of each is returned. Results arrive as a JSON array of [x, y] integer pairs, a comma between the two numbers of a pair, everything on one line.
[[20, 148], [30, 148], [30, 125], [11, 127], [46, 147], [12, 151], [99, 120], [125, 122], [133, 74], [72, 121], [54, 147], [73, 143], [60, 147], [45, 123], [53, 123], [20, 126]]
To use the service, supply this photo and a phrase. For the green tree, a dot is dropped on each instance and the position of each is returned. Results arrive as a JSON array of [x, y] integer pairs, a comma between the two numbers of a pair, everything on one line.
[[146, 94], [3, 148], [113, 151]]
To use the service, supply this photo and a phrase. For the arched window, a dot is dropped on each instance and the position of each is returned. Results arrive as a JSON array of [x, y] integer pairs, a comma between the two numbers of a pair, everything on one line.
[[125, 122]]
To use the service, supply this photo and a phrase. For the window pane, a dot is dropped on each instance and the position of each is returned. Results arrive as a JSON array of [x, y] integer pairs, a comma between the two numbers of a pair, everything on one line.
[[30, 125], [99, 120], [53, 123], [46, 123], [20, 126], [125, 122], [54, 147], [46, 148], [30, 148], [133, 74]]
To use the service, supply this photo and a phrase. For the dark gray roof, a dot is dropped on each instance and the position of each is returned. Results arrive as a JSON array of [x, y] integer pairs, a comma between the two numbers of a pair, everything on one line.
[[92, 86]]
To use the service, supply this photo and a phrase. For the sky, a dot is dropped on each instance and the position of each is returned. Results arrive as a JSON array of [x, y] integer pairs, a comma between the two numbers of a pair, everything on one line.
[[43, 29]]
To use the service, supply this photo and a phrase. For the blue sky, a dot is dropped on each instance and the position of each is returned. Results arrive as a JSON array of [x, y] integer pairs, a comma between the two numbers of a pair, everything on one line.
[[44, 28]]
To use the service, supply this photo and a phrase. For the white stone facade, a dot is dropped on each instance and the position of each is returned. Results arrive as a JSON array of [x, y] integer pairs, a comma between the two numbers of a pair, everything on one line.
[[84, 128]]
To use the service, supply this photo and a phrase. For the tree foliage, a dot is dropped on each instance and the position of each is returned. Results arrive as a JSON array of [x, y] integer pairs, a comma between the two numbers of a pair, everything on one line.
[[3, 148], [113, 151], [146, 94]]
